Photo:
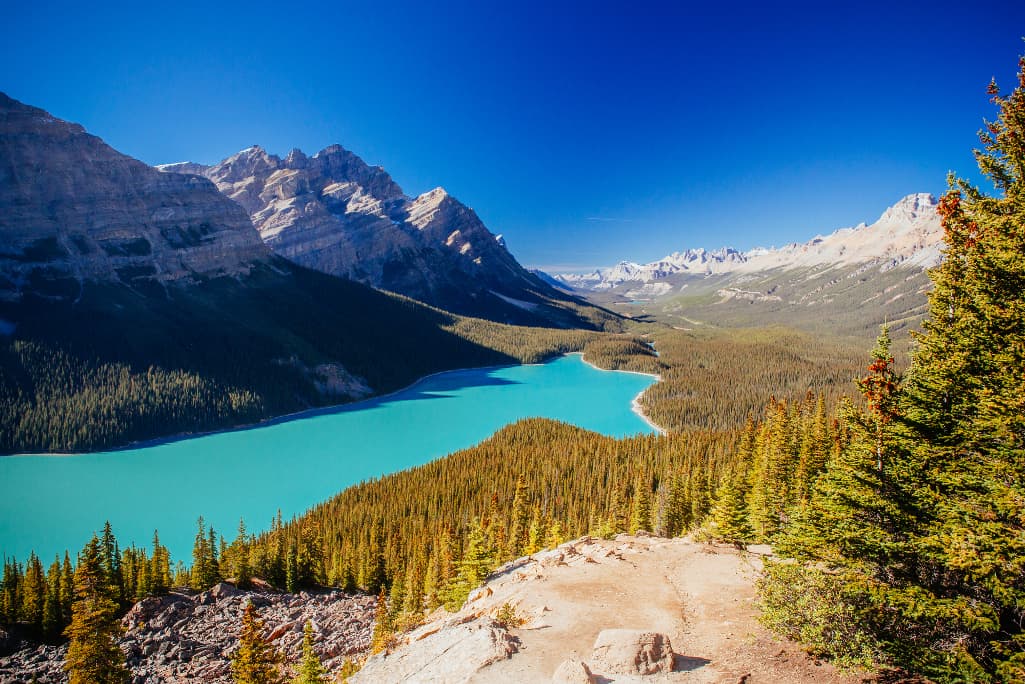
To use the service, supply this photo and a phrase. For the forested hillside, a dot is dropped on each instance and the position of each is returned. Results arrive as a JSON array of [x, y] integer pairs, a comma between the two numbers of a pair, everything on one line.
[[120, 364]]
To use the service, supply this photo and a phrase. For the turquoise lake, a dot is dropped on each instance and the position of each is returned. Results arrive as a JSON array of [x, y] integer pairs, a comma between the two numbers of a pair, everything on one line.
[[49, 503]]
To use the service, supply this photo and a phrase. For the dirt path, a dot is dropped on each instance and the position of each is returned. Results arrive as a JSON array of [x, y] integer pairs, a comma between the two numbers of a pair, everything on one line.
[[701, 596]]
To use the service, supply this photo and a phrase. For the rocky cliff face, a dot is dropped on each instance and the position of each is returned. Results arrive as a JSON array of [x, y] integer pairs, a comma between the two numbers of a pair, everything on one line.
[[72, 210], [334, 213]]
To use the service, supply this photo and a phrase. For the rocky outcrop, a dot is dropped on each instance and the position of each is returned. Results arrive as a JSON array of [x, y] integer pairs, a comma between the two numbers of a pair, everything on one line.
[[632, 652], [183, 638], [334, 213], [73, 209], [597, 610], [452, 652]]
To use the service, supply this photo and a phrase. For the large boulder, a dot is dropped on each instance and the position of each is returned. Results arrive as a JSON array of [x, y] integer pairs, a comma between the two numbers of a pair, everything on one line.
[[449, 655], [632, 652]]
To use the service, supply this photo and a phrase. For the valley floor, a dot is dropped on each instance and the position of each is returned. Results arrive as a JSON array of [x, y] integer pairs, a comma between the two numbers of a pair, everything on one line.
[[700, 596]]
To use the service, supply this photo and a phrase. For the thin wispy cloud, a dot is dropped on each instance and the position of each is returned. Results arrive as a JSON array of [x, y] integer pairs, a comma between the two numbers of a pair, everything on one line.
[[609, 219]]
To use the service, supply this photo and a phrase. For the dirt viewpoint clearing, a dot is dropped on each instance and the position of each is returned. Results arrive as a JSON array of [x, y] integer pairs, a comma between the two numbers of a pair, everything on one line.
[[700, 596]]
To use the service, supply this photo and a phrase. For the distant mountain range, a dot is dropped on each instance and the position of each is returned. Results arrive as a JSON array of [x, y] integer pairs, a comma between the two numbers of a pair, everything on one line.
[[908, 234], [334, 213], [847, 282]]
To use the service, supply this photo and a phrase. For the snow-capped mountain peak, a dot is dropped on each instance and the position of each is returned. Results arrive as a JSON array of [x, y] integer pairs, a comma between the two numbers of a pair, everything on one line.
[[908, 233]]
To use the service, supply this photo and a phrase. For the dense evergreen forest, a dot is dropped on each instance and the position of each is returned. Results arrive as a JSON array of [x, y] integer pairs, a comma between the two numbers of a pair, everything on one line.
[[119, 365]]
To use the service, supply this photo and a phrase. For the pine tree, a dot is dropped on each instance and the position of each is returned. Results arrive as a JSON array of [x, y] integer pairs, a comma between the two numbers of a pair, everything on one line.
[[93, 654], [396, 598], [677, 509], [477, 562], [67, 588], [384, 629], [212, 564], [920, 508], [160, 567], [292, 569], [640, 510], [413, 590], [729, 513], [241, 569], [111, 562], [519, 527], [255, 661], [33, 593], [556, 535], [535, 533], [200, 571], [965, 427], [311, 671], [53, 620]]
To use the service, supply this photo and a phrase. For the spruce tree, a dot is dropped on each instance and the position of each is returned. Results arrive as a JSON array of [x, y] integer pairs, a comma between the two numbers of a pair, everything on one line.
[[640, 510], [200, 571], [311, 671], [519, 527], [965, 427], [53, 620], [384, 628], [729, 513], [111, 561], [255, 661], [160, 567], [93, 654], [67, 588], [33, 593]]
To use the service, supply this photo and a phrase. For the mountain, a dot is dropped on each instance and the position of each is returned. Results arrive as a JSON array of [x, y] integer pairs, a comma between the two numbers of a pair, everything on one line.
[[848, 281], [137, 304], [907, 234], [334, 213], [74, 210]]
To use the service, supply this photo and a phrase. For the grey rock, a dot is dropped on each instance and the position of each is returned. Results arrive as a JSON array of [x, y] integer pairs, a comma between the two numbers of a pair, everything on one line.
[[199, 646], [452, 654], [573, 672], [632, 652]]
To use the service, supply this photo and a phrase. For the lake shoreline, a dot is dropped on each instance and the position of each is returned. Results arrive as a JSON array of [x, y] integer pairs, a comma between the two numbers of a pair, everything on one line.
[[327, 410], [275, 420], [635, 403]]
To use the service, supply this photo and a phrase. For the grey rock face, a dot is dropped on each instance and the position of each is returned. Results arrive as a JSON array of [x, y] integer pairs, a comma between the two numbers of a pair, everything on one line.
[[181, 638], [74, 209], [334, 213]]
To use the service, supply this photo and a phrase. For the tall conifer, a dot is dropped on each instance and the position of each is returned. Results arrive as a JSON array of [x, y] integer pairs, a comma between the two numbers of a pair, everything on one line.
[[93, 654]]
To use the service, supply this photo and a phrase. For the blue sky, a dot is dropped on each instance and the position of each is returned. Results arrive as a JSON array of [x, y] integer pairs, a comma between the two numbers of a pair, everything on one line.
[[585, 133]]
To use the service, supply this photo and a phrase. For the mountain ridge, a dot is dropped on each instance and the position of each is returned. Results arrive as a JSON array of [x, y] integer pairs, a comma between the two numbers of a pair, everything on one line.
[[906, 234], [335, 213]]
